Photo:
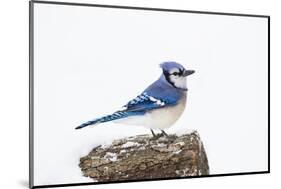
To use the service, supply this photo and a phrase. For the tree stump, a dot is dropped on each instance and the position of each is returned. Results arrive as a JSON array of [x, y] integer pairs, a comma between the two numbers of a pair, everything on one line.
[[142, 157]]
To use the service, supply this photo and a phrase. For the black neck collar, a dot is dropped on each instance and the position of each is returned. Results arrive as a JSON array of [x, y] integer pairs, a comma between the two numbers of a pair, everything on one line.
[[166, 74]]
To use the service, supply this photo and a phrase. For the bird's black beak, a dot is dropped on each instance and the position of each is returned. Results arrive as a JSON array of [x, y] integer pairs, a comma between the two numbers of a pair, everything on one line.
[[188, 72]]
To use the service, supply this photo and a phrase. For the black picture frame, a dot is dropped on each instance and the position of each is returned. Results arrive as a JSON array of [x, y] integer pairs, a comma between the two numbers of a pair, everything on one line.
[[31, 88]]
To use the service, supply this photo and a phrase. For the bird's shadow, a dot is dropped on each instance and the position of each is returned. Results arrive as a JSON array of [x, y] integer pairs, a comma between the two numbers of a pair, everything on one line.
[[24, 183]]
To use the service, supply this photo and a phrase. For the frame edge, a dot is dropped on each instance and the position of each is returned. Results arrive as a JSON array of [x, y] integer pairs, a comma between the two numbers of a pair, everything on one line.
[[31, 96], [151, 9]]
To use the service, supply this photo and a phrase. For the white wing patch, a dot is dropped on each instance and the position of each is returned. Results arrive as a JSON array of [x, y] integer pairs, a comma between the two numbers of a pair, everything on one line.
[[157, 101], [144, 97]]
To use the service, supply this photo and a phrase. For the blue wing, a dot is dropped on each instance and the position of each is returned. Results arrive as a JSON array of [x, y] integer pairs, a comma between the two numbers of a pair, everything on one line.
[[146, 102], [138, 106]]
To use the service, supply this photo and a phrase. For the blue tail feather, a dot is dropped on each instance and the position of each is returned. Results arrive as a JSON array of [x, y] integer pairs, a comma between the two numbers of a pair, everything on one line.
[[107, 118]]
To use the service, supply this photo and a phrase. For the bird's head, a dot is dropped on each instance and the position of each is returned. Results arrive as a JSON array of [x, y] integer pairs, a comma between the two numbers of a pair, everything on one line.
[[175, 74]]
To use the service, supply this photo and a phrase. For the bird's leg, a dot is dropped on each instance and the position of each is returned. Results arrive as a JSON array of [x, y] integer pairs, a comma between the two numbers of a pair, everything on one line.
[[154, 135], [164, 133]]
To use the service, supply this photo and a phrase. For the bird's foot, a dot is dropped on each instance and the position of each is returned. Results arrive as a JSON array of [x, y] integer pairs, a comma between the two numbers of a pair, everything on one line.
[[164, 133], [157, 136]]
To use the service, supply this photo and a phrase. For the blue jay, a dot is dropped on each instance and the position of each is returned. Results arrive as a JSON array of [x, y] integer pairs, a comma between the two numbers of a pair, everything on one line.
[[159, 106]]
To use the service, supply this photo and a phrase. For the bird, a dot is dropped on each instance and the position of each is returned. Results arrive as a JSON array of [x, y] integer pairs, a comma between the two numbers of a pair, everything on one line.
[[159, 106]]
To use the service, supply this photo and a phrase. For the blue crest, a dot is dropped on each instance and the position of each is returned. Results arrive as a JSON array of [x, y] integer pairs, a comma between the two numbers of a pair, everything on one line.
[[170, 65]]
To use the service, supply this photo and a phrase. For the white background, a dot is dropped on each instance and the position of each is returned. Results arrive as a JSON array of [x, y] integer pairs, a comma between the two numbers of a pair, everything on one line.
[[14, 94], [90, 61]]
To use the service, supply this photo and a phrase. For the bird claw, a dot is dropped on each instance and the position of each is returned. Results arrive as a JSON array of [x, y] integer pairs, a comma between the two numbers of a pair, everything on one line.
[[157, 136]]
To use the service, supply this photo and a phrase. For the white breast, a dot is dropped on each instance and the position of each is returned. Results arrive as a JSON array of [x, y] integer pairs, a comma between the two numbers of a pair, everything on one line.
[[159, 118]]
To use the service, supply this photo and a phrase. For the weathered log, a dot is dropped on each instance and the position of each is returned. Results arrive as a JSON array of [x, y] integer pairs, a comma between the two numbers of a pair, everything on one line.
[[142, 157]]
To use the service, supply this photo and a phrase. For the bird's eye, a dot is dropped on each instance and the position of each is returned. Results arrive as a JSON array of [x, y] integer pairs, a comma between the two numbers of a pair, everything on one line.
[[175, 73], [181, 71]]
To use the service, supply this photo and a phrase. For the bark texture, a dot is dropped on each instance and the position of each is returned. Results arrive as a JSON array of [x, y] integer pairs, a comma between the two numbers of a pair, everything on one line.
[[142, 157]]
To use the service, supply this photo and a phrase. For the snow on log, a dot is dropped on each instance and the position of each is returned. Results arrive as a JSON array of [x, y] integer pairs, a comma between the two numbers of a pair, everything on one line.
[[143, 157]]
